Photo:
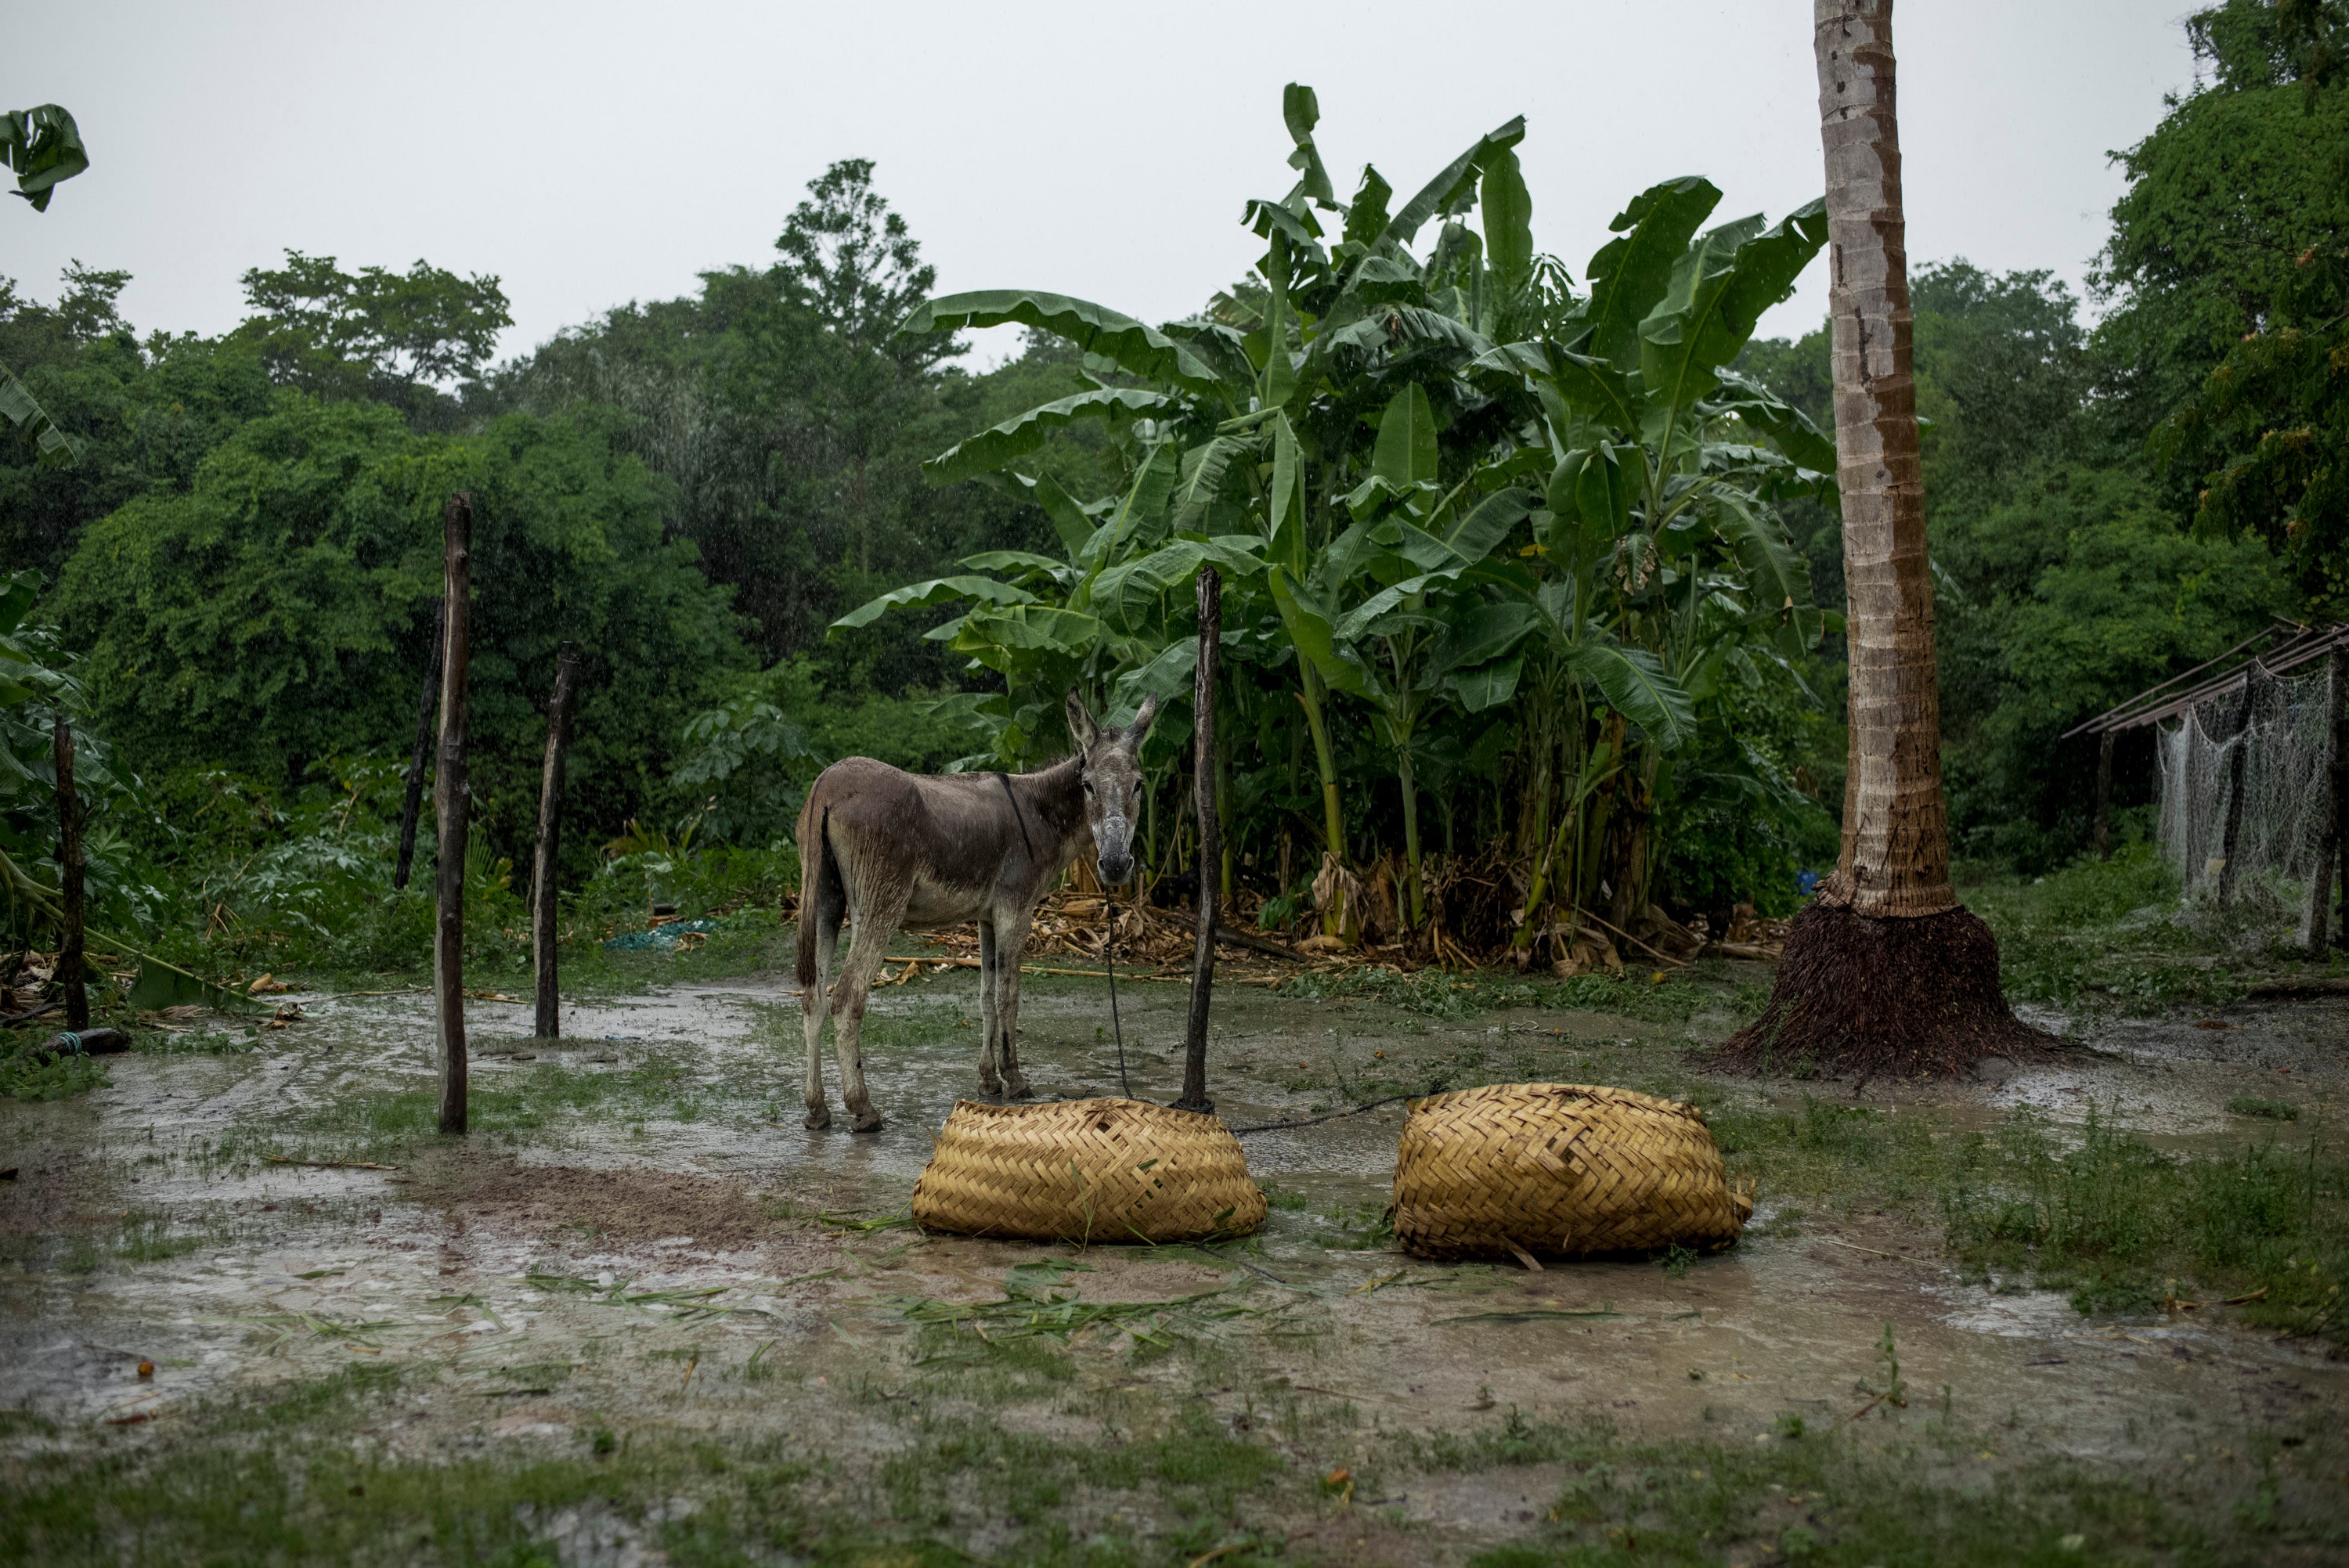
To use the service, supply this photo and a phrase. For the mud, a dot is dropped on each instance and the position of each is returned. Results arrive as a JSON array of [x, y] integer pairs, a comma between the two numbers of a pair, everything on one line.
[[638, 1230]]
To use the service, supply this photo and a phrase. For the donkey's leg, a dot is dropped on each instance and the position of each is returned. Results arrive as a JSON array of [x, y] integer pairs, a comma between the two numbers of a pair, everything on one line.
[[989, 1081], [811, 1008], [876, 923], [1011, 940]]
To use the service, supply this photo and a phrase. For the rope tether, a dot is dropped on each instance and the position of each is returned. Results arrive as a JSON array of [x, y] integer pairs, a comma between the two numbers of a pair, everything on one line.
[[1109, 962], [1005, 779]]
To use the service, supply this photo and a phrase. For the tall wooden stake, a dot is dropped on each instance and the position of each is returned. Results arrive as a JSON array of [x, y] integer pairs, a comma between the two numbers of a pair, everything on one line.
[[2238, 765], [2341, 790], [451, 803], [2105, 795], [2334, 814], [550, 842], [70, 976], [422, 753], [1210, 856]]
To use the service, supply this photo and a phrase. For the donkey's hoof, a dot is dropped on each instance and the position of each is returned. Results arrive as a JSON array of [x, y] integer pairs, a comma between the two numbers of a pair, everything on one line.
[[1015, 1086], [818, 1119], [869, 1123]]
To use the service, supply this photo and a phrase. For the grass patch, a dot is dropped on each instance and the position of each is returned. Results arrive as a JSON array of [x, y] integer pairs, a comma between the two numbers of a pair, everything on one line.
[[386, 1126], [21, 1078], [2093, 1211], [1040, 1302], [2121, 1225], [247, 1480], [2115, 933], [1849, 1497], [2262, 1109]]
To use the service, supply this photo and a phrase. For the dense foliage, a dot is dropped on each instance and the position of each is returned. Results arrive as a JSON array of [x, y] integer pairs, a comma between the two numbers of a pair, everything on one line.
[[1445, 491], [1531, 575]]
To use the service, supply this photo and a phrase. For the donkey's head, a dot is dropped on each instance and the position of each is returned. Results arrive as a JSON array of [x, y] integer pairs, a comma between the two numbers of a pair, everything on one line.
[[1109, 763]]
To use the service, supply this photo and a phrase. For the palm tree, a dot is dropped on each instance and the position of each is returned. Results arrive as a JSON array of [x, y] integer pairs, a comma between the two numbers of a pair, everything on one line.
[[1886, 972]]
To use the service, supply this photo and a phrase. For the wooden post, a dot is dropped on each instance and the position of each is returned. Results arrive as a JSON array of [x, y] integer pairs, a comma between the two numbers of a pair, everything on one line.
[[70, 976], [2332, 843], [2105, 795], [1210, 855], [2236, 766], [422, 753], [550, 842], [2341, 790], [451, 803]]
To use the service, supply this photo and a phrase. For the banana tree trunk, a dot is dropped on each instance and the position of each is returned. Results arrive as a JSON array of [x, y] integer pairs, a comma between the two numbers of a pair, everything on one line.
[[1887, 973], [1312, 696], [1410, 829], [1629, 875]]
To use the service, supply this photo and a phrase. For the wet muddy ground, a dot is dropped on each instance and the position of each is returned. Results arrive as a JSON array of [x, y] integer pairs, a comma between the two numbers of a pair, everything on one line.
[[638, 1247]]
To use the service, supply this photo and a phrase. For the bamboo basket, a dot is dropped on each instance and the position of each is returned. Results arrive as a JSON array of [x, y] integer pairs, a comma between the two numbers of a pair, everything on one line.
[[1525, 1168], [1087, 1170]]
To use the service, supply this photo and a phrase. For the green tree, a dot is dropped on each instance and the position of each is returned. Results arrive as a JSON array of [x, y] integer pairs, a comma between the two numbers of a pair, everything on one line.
[[791, 426], [143, 415], [2239, 181], [397, 337], [274, 615]]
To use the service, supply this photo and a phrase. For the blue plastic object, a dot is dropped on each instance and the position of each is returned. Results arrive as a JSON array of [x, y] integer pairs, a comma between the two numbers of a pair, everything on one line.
[[659, 939]]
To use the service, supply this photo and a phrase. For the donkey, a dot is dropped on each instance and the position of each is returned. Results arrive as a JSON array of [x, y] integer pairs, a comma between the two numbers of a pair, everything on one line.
[[887, 848]]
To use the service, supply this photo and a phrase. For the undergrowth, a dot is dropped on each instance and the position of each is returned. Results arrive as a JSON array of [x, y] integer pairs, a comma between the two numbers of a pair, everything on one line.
[[2115, 933]]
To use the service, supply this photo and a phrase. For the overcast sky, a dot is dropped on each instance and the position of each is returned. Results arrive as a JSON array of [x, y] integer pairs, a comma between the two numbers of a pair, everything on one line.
[[588, 154]]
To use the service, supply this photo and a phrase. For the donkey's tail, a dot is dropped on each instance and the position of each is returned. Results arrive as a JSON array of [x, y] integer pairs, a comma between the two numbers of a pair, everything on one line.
[[820, 889]]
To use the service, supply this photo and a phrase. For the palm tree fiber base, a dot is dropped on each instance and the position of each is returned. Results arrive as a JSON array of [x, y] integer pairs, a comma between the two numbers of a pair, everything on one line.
[[1869, 997]]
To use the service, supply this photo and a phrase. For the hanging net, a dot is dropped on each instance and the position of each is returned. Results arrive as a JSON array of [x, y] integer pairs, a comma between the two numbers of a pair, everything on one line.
[[2270, 743]]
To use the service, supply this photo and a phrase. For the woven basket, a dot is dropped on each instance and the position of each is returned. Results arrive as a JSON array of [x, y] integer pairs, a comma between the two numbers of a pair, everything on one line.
[[1087, 1170], [1560, 1168]]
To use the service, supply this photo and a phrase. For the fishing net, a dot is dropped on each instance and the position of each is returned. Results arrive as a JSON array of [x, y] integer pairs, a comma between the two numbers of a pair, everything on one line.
[[2272, 740]]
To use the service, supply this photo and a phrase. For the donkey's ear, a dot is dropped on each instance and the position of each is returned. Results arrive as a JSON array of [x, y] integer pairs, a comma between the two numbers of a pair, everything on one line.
[[1081, 722], [1139, 727]]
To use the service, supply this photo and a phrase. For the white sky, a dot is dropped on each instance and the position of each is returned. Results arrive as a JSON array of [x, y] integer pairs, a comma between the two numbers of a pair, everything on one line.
[[590, 154]]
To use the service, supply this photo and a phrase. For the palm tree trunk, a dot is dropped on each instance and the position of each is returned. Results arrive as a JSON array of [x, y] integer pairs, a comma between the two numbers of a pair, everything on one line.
[[1886, 972], [1895, 841]]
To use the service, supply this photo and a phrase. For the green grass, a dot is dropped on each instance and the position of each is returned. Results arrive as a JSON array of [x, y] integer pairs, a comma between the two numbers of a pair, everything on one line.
[[1858, 1496], [2264, 1109], [2115, 935], [284, 1474], [2093, 1211], [387, 1125]]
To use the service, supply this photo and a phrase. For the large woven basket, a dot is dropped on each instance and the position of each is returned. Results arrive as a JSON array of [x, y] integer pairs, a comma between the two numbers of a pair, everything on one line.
[[1087, 1170], [1562, 1168]]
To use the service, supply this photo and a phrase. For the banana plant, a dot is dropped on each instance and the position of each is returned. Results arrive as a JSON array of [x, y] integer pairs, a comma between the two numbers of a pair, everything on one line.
[[1660, 559], [1108, 606], [1425, 463], [1262, 408]]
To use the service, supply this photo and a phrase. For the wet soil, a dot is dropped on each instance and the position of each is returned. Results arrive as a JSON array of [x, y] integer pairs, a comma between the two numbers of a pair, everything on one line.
[[639, 1230]]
